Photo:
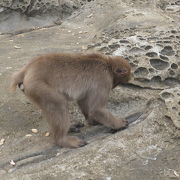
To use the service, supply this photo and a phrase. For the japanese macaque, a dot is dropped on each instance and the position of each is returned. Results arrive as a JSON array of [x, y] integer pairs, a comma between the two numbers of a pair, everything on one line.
[[50, 81]]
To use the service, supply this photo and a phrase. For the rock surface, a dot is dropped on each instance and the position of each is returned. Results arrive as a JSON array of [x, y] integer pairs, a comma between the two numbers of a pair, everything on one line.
[[171, 98], [34, 7], [17, 16], [147, 34]]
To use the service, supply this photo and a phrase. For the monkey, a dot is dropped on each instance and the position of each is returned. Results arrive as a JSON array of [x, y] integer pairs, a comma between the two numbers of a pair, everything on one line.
[[50, 81]]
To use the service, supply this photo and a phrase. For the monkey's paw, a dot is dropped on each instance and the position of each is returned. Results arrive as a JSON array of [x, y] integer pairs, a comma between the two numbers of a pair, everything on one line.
[[121, 124]]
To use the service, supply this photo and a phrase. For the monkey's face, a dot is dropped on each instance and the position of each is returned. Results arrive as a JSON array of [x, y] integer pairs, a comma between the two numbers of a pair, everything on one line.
[[121, 71]]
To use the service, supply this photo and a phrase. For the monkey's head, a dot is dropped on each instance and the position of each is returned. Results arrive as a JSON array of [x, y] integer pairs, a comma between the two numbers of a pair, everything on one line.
[[121, 70]]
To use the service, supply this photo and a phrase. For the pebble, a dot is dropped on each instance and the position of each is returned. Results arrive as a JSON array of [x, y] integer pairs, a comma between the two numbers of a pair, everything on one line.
[[28, 135], [34, 130], [108, 178], [17, 47], [21, 87], [8, 67], [58, 154], [12, 163], [84, 48], [89, 15], [47, 134], [2, 141], [176, 174], [21, 35]]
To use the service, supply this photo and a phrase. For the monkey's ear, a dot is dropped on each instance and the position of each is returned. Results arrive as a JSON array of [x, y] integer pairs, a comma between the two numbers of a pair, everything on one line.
[[121, 71]]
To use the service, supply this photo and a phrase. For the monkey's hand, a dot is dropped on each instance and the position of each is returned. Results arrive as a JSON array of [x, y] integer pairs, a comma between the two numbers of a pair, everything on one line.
[[123, 124], [120, 124]]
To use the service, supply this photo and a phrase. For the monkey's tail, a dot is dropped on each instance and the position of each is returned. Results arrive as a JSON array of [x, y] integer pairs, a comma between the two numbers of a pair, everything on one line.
[[17, 79]]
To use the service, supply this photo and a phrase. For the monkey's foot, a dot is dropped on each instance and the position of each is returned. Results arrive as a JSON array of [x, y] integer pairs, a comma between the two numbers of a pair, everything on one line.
[[71, 142]]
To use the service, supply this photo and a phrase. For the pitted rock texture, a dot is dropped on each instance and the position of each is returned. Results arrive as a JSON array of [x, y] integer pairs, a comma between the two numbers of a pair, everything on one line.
[[148, 148], [33, 7], [154, 58], [171, 7], [171, 97], [19, 16]]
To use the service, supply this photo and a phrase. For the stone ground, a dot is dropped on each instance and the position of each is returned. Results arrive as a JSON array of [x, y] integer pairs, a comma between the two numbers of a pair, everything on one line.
[[149, 148]]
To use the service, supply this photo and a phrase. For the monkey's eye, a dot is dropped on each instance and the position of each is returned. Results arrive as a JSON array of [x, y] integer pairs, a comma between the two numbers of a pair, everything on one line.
[[121, 71]]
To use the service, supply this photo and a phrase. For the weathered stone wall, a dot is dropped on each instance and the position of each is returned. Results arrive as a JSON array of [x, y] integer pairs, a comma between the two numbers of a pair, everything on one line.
[[25, 15], [33, 7]]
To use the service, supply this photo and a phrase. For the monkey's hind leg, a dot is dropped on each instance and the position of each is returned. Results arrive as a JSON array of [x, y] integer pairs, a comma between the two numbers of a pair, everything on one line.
[[55, 107]]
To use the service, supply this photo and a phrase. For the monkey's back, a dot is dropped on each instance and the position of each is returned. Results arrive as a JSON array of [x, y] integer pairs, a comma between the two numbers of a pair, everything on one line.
[[70, 74]]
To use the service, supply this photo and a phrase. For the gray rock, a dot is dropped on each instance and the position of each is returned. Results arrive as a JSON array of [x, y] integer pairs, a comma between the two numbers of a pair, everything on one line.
[[171, 97], [30, 7]]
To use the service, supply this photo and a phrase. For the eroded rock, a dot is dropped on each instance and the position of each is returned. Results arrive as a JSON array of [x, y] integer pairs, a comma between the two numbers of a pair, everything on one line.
[[159, 64], [19, 16], [153, 61], [168, 51], [38, 6], [171, 97]]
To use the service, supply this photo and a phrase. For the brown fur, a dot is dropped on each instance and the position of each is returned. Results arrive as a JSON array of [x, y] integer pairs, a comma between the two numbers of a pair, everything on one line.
[[51, 80]]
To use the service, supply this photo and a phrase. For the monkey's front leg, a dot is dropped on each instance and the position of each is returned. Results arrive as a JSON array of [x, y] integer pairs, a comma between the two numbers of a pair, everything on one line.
[[103, 116], [84, 106], [93, 106]]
